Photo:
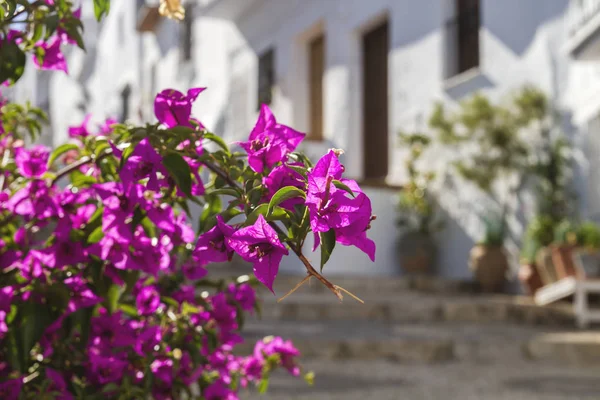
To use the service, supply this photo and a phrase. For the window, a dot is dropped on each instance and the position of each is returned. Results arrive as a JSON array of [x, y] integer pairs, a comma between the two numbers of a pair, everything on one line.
[[375, 45], [316, 71], [186, 34], [463, 33], [266, 77]]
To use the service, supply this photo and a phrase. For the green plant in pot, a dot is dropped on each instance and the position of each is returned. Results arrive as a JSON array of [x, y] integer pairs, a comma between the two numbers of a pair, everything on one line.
[[488, 260], [493, 156], [587, 254], [418, 218], [565, 242], [536, 251], [536, 267]]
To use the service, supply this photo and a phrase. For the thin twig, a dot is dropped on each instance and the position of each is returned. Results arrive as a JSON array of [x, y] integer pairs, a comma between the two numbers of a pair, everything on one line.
[[355, 297], [82, 161], [302, 282]]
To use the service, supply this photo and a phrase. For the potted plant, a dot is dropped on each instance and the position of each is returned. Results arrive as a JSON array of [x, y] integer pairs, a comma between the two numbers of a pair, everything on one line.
[[488, 260], [537, 241], [495, 157], [529, 275], [417, 212], [565, 242], [587, 255]]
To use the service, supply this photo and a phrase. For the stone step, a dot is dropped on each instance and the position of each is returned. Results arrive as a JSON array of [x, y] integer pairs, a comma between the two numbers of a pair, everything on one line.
[[360, 285], [405, 343], [352, 340], [411, 307], [568, 348]]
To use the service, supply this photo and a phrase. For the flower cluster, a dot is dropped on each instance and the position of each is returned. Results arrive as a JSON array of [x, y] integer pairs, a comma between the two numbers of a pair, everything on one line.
[[109, 271], [46, 49], [105, 269]]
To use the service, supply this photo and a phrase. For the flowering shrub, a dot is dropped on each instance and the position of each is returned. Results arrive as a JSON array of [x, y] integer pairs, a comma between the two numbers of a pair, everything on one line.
[[103, 287]]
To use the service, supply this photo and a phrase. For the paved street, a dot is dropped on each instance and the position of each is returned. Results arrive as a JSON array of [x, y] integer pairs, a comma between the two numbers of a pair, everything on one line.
[[513, 379]]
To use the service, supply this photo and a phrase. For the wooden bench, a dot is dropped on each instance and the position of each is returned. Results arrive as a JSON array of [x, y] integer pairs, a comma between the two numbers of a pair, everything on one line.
[[571, 286]]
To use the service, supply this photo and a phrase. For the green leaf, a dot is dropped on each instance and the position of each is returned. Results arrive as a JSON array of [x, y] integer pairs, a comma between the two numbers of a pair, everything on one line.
[[181, 130], [263, 385], [179, 169], [60, 150], [101, 8], [12, 314], [78, 179], [35, 321], [12, 62], [129, 310], [113, 296], [277, 213], [211, 208], [226, 192], [301, 170], [96, 235], [343, 186], [283, 194], [327, 245], [13, 347], [216, 139], [309, 378]]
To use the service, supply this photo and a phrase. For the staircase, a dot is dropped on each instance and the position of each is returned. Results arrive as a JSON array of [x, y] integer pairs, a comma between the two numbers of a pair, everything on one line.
[[422, 320]]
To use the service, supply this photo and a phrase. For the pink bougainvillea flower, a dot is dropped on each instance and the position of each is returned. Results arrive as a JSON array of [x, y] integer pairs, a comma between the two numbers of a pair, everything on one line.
[[244, 294], [144, 162], [269, 142], [36, 199], [81, 296], [81, 130], [284, 348], [104, 369], [219, 390], [147, 300], [58, 384], [223, 312], [333, 208], [6, 296], [212, 245], [33, 162], [280, 177], [107, 126], [11, 389], [259, 245], [54, 59], [173, 108]]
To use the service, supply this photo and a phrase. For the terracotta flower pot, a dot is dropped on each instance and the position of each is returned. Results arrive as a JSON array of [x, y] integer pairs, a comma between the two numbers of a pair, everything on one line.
[[489, 265], [587, 261], [530, 278], [562, 257], [545, 266], [416, 252]]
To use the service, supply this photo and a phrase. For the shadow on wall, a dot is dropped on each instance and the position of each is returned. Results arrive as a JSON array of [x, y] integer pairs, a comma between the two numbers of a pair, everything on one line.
[[478, 81], [515, 24], [454, 245]]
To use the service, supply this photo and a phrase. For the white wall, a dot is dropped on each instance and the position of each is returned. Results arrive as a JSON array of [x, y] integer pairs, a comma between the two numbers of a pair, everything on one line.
[[518, 45]]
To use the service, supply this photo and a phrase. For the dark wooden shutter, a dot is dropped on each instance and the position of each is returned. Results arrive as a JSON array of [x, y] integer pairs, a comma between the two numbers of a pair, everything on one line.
[[468, 21], [266, 77], [316, 72], [125, 97], [186, 34], [375, 102]]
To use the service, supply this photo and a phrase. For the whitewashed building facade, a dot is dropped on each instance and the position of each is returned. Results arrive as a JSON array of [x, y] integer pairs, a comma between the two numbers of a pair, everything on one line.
[[350, 73]]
